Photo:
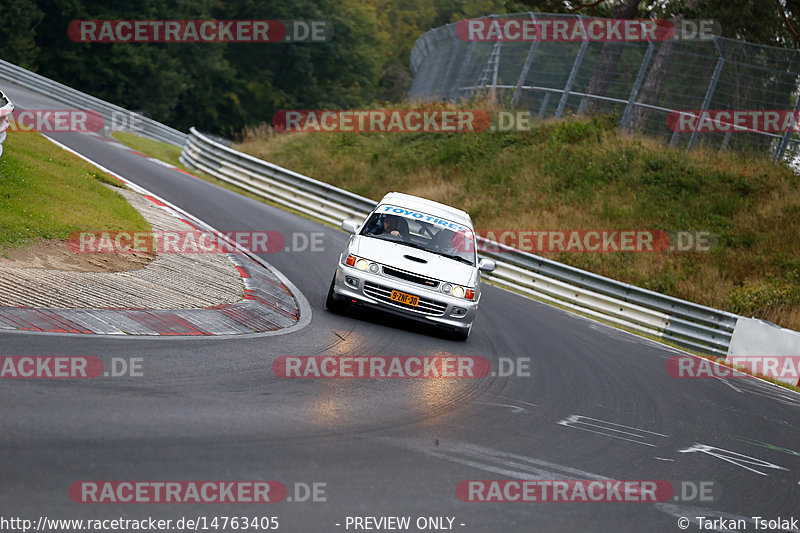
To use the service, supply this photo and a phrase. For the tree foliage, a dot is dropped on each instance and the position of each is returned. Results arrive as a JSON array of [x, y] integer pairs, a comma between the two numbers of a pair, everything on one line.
[[222, 88]]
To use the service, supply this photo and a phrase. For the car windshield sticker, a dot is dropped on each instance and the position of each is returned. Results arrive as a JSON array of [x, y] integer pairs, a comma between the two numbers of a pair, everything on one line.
[[416, 215]]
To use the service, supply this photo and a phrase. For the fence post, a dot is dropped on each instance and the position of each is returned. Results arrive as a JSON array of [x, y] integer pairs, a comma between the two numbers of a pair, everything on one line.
[[725, 141], [493, 90], [491, 66], [525, 68], [637, 85], [710, 92], [781, 148], [575, 66], [545, 101]]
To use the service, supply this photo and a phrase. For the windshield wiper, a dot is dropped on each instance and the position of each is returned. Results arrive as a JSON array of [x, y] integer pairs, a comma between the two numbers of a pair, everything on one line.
[[411, 244], [456, 257]]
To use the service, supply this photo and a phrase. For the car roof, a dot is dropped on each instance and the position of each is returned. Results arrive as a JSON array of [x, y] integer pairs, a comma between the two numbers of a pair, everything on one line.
[[429, 206]]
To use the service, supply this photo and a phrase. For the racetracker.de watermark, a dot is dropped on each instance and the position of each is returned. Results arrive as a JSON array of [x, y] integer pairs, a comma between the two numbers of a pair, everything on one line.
[[564, 490], [68, 367], [784, 368], [71, 121], [193, 242], [381, 367], [177, 492], [382, 121], [56, 120], [735, 121], [400, 367], [581, 29], [586, 241], [200, 31]]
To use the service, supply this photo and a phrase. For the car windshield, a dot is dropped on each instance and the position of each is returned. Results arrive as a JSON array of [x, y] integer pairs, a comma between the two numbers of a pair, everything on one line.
[[423, 231]]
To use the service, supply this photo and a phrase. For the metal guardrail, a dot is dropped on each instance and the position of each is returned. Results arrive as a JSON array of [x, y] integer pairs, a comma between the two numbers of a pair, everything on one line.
[[272, 182], [6, 108], [679, 322], [113, 115]]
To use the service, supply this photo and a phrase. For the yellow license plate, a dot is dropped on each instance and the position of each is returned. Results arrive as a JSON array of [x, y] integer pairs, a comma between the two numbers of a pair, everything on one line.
[[404, 298]]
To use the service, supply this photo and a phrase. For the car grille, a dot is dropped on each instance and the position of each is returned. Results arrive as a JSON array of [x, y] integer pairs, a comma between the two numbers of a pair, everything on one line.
[[408, 276], [384, 294]]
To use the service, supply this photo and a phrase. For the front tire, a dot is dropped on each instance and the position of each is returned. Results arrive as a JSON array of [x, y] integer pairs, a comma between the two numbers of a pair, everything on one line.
[[332, 303]]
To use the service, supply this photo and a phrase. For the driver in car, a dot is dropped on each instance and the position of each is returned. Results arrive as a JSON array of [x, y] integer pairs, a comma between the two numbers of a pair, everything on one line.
[[391, 225]]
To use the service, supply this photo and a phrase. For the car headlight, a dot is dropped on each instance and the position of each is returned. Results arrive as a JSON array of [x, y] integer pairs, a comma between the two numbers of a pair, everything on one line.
[[457, 291], [362, 264]]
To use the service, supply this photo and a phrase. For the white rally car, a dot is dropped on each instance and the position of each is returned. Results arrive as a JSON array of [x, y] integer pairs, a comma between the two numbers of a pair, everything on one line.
[[412, 257], [6, 107]]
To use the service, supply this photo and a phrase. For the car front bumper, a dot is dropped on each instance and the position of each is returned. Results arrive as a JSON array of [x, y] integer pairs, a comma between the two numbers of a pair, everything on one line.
[[373, 290]]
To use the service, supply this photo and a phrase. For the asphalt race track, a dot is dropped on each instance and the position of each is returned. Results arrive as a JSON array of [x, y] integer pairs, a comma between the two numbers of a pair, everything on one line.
[[598, 404]]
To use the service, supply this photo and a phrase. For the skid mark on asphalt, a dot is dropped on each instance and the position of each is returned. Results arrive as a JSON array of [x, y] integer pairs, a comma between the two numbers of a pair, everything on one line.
[[768, 446], [611, 429], [496, 461], [770, 390], [517, 466], [735, 458], [515, 409]]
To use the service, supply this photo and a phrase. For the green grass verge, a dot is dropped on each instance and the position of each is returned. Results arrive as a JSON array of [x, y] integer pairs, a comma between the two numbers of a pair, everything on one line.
[[48, 193], [169, 153]]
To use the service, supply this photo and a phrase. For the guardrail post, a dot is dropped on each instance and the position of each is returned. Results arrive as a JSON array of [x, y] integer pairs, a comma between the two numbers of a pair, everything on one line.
[[525, 68], [637, 85], [573, 74]]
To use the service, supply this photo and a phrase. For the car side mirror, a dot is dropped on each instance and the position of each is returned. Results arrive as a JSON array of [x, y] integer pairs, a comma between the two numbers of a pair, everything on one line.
[[486, 265], [350, 226]]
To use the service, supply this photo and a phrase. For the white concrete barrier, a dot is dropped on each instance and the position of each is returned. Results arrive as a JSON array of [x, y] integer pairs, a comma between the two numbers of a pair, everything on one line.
[[764, 345]]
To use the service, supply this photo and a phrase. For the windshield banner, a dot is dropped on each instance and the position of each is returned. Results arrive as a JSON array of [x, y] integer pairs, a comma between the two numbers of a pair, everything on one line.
[[416, 215]]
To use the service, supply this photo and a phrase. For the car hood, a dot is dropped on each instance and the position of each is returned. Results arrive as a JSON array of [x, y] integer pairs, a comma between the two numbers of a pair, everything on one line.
[[394, 254]]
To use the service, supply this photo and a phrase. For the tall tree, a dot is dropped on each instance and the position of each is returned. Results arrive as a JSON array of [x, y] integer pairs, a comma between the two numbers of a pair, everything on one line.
[[19, 19]]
